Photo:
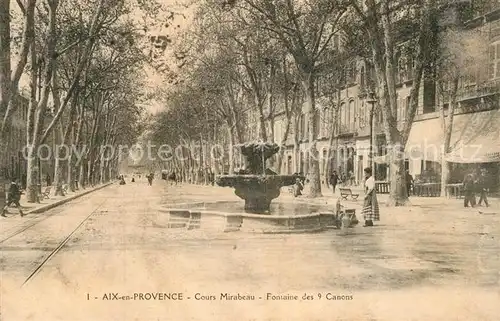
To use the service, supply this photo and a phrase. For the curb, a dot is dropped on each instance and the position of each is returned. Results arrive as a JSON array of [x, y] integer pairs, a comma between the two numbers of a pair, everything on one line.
[[47, 207]]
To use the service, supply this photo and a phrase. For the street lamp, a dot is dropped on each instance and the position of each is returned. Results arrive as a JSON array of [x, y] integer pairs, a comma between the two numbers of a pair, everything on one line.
[[371, 100]]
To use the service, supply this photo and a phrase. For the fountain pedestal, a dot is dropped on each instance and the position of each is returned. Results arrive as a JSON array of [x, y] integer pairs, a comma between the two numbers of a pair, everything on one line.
[[257, 185], [257, 190]]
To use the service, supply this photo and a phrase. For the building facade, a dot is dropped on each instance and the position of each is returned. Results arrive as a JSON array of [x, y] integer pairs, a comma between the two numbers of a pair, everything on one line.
[[478, 99]]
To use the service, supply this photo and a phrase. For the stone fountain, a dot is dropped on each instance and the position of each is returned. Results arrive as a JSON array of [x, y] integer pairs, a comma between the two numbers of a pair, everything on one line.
[[256, 184]]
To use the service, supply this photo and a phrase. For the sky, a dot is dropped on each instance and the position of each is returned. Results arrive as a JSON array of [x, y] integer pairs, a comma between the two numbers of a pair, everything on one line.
[[184, 10]]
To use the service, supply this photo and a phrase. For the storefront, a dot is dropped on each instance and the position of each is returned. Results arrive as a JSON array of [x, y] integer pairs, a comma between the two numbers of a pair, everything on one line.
[[474, 145]]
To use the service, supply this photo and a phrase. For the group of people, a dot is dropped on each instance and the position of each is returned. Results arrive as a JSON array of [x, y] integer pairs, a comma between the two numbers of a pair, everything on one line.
[[336, 179], [371, 210], [475, 184], [150, 178]]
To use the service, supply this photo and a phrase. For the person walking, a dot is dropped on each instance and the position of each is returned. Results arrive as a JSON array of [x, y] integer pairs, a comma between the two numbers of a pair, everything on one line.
[[150, 179], [334, 179], [370, 211], [409, 182], [468, 185], [14, 196], [483, 189]]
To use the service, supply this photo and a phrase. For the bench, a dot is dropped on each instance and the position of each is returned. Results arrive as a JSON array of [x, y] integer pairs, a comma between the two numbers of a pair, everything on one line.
[[346, 192], [45, 194]]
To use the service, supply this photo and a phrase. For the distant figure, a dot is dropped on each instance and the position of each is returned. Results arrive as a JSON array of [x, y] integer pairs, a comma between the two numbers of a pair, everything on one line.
[[409, 182], [298, 187], [48, 180], [14, 196], [334, 180], [351, 178], [150, 179], [483, 189], [172, 178], [468, 185]]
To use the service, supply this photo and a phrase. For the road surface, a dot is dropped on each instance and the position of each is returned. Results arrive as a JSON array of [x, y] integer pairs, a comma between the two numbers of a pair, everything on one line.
[[110, 256]]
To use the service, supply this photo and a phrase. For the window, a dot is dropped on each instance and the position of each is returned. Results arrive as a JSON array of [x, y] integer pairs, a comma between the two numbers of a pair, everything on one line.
[[351, 115], [362, 77], [303, 124], [494, 60], [324, 123], [407, 108], [351, 72], [342, 116]]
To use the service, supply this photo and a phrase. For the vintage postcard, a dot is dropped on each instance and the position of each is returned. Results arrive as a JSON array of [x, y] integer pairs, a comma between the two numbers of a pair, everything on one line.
[[254, 160]]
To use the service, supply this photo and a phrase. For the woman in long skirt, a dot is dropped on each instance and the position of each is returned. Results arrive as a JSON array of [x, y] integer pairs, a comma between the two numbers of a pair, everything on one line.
[[370, 210]]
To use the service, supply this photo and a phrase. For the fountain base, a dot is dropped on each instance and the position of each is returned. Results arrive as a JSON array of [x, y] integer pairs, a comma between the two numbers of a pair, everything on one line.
[[222, 216]]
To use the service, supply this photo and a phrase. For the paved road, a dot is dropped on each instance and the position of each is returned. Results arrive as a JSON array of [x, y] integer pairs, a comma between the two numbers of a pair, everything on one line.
[[421, 263]]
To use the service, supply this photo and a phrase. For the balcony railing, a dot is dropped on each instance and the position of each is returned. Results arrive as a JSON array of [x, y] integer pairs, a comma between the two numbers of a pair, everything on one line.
[[346, 128], [477, 91]]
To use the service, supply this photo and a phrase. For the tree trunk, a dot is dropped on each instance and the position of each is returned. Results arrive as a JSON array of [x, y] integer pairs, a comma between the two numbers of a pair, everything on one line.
[[332, 141], [231, 150], [447, 126], [314, 175], [81, 175], [296, 143], [35, 136], [12, 83], [59, 160], [32, 177], [5, 54]]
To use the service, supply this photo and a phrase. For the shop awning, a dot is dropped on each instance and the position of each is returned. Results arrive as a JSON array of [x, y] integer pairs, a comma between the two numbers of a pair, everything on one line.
[[475, 138], [425, 141]]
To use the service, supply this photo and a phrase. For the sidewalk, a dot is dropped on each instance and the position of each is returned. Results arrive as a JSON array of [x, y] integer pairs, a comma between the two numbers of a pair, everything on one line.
[[193, 192], [13, 218]]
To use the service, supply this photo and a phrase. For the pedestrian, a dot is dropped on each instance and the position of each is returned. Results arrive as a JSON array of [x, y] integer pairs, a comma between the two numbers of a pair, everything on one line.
[[409, 182], [150, 179], [14, 196], [371, 211], [483, 187], [48, 180], [351, 178], [334, 179], [297, 187], [468, 186]]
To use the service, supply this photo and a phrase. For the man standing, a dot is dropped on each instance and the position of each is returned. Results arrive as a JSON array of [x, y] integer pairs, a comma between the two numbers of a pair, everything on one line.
[[13, 198], [483, 188], [469, 196], [334, 179]]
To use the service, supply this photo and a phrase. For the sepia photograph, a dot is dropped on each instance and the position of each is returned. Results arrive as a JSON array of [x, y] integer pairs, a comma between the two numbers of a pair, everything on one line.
[[253, 160]]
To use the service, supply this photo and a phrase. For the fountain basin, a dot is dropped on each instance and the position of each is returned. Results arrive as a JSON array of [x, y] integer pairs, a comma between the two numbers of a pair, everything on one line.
[[257, 190], [222, 217]]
